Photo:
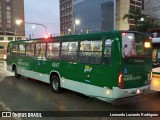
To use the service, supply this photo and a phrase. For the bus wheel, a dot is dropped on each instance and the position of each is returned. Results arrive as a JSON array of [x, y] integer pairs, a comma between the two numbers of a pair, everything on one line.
[[16, 74], [55, 84]]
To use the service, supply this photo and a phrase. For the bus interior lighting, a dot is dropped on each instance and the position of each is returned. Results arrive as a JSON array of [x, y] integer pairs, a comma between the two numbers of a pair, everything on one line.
[[147, 45], [130, 37]]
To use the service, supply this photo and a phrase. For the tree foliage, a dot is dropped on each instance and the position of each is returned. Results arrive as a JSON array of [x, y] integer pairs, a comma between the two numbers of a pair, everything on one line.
[[142, 26]]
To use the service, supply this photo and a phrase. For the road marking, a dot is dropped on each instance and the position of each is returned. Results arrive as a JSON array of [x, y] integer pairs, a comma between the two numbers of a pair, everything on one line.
[[5, 108]]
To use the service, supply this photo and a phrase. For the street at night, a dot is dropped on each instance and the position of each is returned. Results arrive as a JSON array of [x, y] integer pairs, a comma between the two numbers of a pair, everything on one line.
[[80, 60], [26, 94]]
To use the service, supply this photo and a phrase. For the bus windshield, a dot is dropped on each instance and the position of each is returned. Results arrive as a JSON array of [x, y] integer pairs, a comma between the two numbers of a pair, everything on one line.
[[135, 45], [156, 52]]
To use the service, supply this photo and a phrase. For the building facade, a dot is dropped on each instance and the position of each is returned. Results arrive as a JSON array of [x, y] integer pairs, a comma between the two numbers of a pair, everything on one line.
[[65, 16], [122, 8], [96, 15], [152, 8], [10, 11]]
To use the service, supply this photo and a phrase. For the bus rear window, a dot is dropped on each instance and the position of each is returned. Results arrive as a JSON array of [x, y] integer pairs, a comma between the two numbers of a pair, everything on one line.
[[133, 45]]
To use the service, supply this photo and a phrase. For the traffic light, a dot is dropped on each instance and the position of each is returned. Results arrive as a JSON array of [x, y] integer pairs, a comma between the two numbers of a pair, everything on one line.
[[46, 36]]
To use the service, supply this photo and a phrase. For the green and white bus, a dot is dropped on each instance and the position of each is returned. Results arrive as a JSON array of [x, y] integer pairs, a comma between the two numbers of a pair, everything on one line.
[[155, 82], [105, 65]]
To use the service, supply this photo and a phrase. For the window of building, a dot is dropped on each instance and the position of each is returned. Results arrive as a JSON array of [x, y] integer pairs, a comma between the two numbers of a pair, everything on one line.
[[10, 38], [90, 52], [9, 21], [30, 50], [8, 25], [1, 38], [138, 3], [69, 51], [8, 16], [9, 29], [8, 3], [1, 47], [53, 50], [8, 8], [132, 2], [19, 38]]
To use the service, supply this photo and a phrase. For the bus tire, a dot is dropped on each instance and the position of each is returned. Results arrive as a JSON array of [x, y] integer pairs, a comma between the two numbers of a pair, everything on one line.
[[16, 74], [55, 84]]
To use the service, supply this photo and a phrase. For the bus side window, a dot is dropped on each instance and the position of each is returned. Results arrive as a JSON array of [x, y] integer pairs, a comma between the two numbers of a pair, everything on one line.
[[69, 51], [8, 51], [40, 50], [14, 50], [21, 50], [30, 50], [43, 51], [37, 51], [53, 50], [90, 52], [107, 51]]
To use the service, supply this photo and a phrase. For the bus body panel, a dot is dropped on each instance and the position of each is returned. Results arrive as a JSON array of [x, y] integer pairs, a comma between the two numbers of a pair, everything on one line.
[[137, 64], [136, 75]]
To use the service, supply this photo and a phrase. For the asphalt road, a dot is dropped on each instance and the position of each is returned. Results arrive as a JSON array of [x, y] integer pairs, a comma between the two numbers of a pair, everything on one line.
[[25, 94]]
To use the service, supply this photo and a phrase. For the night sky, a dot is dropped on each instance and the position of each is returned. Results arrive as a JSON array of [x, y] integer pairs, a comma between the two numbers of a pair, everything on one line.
[[45, 12]]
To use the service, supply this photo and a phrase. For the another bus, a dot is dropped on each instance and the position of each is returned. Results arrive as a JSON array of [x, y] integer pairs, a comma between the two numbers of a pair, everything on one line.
[[105, 65], [155, 83]]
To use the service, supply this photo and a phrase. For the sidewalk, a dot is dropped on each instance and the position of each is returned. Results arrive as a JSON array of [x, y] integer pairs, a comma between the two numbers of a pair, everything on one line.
[[4, 108]]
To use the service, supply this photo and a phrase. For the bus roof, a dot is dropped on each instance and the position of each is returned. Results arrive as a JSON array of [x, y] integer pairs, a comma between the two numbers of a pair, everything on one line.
[[87, 36]]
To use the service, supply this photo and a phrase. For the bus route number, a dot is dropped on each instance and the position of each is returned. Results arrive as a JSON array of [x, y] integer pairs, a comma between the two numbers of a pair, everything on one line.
[[55, 65]]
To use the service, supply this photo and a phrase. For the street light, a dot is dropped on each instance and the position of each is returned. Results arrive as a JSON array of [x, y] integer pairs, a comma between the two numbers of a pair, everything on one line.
[[142, 19], [19, 22], [76, 22], [69, 31]]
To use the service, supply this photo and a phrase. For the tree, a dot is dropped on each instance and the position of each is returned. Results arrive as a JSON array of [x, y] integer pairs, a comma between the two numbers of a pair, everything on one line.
[[136, 15], [140, 25], [148, 23]]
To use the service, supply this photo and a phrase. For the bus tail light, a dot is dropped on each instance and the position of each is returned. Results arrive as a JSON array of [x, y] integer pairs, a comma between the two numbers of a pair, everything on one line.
[[120, 81], [123, 34]]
